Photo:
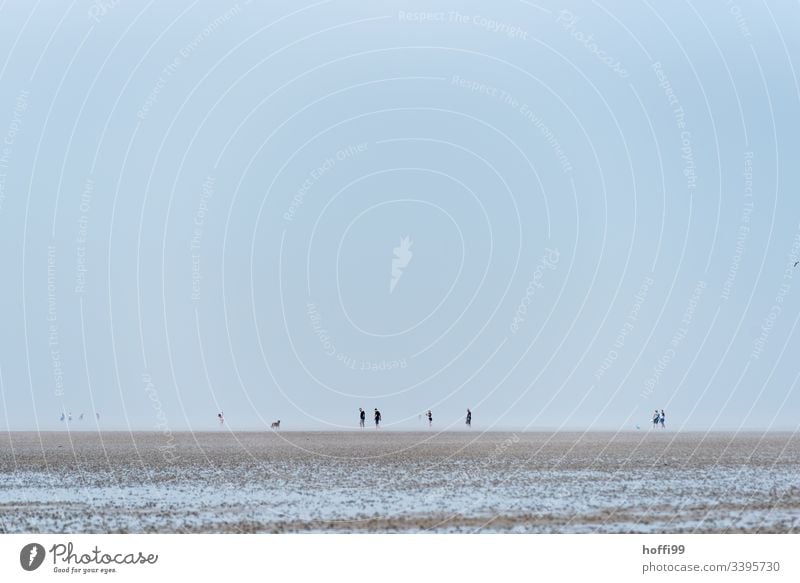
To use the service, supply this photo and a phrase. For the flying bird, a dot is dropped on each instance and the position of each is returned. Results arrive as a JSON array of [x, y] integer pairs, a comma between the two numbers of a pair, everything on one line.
[[401, 259]]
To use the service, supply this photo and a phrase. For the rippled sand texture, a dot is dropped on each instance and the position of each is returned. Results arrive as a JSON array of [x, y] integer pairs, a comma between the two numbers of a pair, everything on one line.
[[648, 481]]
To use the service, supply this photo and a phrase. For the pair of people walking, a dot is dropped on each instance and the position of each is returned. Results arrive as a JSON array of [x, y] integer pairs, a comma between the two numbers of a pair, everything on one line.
[[362, 416], [659, 418]]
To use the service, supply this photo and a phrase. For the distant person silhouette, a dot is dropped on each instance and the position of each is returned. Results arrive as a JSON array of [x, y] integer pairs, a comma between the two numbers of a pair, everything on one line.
[[362, 415], [469, 418], [656, 417], [377, 418], [661, 419], [221, 417], [430, 418]]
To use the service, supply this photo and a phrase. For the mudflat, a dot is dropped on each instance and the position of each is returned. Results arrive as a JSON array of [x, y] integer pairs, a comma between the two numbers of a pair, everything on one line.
[[384, 481]]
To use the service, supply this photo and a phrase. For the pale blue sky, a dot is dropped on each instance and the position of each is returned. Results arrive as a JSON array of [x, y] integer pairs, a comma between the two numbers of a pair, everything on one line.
[[601, 200]]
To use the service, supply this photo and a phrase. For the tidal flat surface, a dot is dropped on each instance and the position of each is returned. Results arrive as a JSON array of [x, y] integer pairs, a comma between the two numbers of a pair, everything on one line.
[[385, 481]]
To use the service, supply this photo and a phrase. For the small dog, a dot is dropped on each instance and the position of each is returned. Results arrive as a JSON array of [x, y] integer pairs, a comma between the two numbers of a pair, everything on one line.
[[276, 424]]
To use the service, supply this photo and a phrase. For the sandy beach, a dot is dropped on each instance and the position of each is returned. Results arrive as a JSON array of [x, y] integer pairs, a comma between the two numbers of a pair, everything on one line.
[[376, 481]]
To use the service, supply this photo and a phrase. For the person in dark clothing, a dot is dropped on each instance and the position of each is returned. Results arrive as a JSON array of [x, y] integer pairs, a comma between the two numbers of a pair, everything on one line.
[[430, 418], [377, 418], [362, 415], [469, 418]]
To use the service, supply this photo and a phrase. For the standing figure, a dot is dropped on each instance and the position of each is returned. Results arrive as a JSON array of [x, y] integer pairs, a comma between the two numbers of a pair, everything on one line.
[[656, 417], [469, 418], [62, 417], [221, 417], [661, 419], [377, 418], [430, 418], [362, 415]]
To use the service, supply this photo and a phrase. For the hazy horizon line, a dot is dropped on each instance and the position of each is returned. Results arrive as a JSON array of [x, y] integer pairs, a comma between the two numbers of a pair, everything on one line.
[[406, 430]]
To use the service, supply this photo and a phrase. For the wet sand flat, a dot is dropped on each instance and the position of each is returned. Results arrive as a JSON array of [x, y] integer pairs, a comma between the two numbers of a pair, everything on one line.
[[385, 481]]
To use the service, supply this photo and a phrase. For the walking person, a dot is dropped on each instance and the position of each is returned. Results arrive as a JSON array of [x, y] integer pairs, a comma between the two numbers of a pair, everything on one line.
[[662, 418], [430, 418], [377, 418], [656, 417], [469, 418], [362, 415]]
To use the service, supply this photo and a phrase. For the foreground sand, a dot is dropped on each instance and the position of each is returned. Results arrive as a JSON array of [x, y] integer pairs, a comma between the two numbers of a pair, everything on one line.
[[399, 482]]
